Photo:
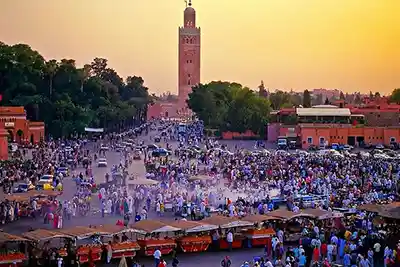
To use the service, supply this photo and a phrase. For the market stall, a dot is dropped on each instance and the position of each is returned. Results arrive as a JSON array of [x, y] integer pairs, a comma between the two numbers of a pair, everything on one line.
[[259, 236], [227, 224], [195, 240], [83, 251], [120, 249], [42, 235], [11, 256], [152, 232]]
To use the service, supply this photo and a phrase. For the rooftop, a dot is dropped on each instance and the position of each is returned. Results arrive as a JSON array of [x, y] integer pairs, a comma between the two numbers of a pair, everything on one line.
[[324, 111]]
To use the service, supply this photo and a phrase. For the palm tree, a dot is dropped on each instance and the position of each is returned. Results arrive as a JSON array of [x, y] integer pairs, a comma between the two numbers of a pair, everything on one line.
[[84, 74], [51, 69]]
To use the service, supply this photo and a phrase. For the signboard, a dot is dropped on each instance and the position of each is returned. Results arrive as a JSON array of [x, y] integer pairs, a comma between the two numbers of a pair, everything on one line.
[[9, 124]]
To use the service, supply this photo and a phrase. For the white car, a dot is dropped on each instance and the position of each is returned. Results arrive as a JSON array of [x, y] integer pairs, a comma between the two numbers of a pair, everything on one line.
[[102, 163], [46, 179]]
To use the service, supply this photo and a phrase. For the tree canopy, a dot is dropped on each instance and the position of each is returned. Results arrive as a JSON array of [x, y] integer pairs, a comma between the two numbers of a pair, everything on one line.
[[229, 107], [68, 98], [395, 96]]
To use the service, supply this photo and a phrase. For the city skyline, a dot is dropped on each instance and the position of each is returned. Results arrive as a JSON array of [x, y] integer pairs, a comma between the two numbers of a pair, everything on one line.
[[345, 45]]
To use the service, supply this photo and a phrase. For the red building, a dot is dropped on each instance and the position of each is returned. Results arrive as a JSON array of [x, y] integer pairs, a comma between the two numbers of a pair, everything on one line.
[[326, 124], [18, 128], [378, 112]]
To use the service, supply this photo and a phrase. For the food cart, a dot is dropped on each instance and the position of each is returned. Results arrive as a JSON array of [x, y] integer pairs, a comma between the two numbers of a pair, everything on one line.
[[152, 231], [229, 223], [194, 241], [259, 236], [80, 233], [120, 249], [10, 257], [42, 235]]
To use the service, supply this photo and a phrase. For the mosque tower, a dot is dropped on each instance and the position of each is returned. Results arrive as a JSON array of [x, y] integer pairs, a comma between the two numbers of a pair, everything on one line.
[[189, 55]]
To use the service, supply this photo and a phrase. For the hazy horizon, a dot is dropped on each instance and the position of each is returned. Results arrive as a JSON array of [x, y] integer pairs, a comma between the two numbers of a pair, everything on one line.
[[289, 44]]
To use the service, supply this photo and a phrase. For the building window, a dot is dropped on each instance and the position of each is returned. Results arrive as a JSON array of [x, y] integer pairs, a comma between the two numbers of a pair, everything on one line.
[[392, 140], [189, 75], [188, 82], [309, 140]]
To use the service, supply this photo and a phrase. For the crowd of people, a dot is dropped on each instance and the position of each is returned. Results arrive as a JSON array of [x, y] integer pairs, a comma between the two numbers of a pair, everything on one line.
[[203, 176]]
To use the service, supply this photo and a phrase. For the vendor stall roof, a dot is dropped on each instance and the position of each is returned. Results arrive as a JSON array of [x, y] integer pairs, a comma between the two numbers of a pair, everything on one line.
[[256, 218], [43, 235], [149, 226], [5, 237], [82, 232], [313, 213], [282, 214], [192, 226], [112, 229], [33, 193], [226, 222]]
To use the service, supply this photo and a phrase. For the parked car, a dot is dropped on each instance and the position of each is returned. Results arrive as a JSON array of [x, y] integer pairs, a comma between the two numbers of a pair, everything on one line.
[[63, 170], [23, 187]]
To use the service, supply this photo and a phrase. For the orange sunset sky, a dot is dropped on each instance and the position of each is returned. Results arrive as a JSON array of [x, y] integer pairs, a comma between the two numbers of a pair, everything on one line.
[[353, 45]]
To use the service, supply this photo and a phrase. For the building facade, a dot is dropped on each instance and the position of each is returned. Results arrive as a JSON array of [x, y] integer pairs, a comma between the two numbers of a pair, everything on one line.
[[324, 125], [3, 143], [19, 129]]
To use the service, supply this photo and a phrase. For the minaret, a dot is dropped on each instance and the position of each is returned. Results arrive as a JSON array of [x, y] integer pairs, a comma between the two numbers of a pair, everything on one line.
[[189, 55]]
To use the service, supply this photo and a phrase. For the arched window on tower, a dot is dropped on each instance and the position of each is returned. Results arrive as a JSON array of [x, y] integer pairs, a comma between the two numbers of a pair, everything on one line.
[[189, 82]]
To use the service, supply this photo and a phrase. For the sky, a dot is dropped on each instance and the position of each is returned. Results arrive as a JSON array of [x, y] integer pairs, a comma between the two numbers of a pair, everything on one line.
[[352, 45]]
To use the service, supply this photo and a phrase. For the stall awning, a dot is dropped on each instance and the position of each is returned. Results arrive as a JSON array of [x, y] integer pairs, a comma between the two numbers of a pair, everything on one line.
[[82, 232], [5, 237], [257, 218], [43, 235], [227, 222], [282, 214], [192, 226], [149, 226]]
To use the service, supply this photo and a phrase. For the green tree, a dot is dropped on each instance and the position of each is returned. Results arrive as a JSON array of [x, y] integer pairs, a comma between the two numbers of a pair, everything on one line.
[[306, 99], [279, 98], [395, 96], [229, 107], [68, 98]]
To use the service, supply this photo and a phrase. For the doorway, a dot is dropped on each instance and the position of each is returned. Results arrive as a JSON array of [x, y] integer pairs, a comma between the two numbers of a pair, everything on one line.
[[360, 140], [322, 142], [351, 140], [10, 136]]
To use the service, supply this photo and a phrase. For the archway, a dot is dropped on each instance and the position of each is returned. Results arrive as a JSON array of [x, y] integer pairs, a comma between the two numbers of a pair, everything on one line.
[[20, 136], [10, 136], [32, 139]]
